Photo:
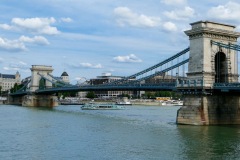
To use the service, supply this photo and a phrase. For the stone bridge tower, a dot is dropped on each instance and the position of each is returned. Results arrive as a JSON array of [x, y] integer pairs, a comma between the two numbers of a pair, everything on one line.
[[37, 81], [209, 62], [212, 64]]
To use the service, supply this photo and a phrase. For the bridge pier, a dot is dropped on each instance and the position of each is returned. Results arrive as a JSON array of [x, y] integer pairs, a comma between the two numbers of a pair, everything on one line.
[[15, 100], [217, 109], [39, 101]]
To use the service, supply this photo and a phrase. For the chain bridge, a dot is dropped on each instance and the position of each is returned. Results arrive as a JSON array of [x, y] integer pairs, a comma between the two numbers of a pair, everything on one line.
[[206, 73]]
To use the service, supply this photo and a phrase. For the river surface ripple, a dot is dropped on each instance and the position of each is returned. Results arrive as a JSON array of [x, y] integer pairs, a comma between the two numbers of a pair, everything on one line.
[[136, 133]]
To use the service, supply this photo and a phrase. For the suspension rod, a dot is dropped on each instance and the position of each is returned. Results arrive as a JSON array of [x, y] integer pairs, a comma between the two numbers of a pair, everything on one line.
[[228, 46], [163, 71], [153, 67], [25, 85], [62, 85]]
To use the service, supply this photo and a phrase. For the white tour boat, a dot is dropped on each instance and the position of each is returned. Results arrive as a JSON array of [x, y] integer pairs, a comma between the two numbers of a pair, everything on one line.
[[123, 103], [98, 106]]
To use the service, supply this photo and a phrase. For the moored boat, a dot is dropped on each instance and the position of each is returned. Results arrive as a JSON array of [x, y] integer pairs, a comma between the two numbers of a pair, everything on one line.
[[98, 106], [172, 103], [123, 103]]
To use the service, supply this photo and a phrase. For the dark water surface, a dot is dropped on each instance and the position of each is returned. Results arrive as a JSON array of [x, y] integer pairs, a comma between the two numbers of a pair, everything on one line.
[[136, 133]]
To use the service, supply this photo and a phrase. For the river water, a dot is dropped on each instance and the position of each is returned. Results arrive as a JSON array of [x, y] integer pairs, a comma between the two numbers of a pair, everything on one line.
[[136, 133]]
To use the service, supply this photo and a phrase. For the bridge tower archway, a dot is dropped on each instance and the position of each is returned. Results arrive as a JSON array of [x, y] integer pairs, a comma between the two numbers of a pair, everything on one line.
[[221, 67], [208, 62], [42, 83], [39, 75]]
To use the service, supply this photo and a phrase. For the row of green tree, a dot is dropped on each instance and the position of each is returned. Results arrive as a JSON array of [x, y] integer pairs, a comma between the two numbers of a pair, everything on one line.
[[147, 95], [16, 87], [153, 95]]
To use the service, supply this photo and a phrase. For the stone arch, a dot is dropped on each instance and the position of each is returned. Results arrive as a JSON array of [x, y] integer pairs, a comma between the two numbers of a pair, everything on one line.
[[220, 66], [42, 83]]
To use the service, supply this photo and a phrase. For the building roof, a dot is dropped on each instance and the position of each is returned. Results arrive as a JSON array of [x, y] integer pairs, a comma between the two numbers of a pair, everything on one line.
[[10, 76], [58, 78], [64, 74]]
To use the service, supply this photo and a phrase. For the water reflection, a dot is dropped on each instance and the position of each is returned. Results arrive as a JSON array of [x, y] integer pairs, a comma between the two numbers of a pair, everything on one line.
[[209, 142]]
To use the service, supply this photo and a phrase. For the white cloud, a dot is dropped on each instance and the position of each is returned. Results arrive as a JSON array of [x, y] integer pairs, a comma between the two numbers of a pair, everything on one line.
[[229, 11], [17, 66], [174, 2], [39, 25], [6, 68], [185, 14], [89, 65], [86, 65], [11, 68], [128, 58], [12, 45], [169, 26], [6, 26], [66, 20], [35, 25], [40, 40], [22, 63], [126, 17], [18, 45]]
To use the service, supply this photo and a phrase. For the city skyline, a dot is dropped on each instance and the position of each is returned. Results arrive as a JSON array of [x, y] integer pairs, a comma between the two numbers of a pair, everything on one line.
[[86, 39]]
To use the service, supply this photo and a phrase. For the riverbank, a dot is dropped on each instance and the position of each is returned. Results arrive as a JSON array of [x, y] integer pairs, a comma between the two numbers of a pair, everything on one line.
[[145, 102]]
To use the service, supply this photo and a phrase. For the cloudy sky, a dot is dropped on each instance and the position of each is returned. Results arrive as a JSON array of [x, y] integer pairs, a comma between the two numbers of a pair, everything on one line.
[[86, 38]]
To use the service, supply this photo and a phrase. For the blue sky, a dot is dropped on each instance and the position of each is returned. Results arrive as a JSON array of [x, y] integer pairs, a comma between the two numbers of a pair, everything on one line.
[[88, 38]]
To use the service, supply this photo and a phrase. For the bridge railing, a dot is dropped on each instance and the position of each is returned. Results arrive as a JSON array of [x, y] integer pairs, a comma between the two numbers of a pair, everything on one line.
[[189, 83], [226, 87], [227, 84]]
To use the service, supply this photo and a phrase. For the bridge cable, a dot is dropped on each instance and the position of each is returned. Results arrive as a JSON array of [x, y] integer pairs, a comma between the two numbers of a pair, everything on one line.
[[160, 72], [153, 67]]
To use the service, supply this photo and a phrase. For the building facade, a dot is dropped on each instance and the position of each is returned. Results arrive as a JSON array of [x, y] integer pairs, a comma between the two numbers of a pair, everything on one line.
[[7, 81], [107, 78]]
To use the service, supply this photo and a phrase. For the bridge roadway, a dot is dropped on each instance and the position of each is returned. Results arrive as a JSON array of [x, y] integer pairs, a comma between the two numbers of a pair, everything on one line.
[[217, 87], [132, 87]]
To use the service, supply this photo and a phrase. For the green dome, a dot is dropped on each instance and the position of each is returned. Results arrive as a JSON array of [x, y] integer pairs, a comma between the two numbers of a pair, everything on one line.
[[64, 74]]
